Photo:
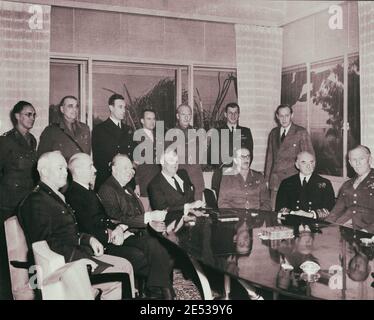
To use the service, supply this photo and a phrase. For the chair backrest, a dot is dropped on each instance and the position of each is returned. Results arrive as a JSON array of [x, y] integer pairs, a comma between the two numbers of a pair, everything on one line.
[[17, 251], [210, 199], [60, 281]]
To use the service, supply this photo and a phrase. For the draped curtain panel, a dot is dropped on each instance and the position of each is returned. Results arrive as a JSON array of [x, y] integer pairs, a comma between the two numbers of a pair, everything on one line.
[[24, 60], [366, 49], [259, 69]]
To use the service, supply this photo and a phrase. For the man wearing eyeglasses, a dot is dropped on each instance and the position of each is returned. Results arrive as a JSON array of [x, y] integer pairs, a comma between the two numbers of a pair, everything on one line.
[[69, 136], [242, 187]]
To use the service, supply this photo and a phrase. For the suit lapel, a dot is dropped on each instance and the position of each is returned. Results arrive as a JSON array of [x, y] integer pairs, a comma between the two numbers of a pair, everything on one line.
[[169, 188], [277, 138], [136, 199]]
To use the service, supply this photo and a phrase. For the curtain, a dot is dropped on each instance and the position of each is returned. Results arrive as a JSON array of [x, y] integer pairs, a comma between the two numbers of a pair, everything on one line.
[[366, 49], [259, 70], [24, 60]]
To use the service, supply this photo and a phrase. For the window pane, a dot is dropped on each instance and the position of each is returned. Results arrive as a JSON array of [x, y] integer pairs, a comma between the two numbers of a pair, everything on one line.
[[141, 86], [294, 93], [326, 116], [64, 81], [213, 89]]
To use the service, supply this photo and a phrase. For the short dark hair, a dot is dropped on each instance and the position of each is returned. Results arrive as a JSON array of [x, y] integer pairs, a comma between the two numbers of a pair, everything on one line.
[[17, 108], [67, 97], [147, 110], [283, 106], [232, 105], [115, 97]]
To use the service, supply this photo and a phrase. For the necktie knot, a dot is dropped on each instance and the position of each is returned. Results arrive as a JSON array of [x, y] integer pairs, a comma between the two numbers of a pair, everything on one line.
[[304, 182], [283, 135], [119, 125]]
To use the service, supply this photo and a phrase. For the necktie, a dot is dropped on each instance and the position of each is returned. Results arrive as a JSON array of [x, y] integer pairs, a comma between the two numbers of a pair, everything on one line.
[[357, 182], [179, 189], [119, 125], [304, 182], [283, 135]]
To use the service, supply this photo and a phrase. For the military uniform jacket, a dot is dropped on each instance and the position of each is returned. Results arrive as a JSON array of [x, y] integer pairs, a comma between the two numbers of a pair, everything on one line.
[[237, 193], [317, 195], [43, 215], [57, 136], [246, 141], [17, 169], [89, 211], [145, 172], [280, 157], [356, 204], [107, 141]]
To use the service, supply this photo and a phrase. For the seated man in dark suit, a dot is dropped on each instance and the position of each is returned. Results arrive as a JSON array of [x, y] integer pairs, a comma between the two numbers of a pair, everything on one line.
[[305, 193], [147, 256], [44, 215], [171, 189]]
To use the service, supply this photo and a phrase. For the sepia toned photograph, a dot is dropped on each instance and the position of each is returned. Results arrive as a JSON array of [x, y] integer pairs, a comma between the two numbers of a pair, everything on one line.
[[186, 150]]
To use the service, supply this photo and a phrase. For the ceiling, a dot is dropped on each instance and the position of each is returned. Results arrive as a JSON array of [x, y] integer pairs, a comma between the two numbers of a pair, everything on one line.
[[258, 12]]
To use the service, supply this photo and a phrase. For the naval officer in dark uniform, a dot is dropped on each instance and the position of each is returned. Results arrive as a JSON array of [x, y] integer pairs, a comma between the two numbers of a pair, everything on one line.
[[110, 138], [17, 159], [306, 191]]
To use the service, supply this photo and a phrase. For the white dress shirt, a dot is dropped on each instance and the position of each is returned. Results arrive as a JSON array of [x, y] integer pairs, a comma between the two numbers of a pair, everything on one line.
[[287, 129], [116, 122], [302, 178]]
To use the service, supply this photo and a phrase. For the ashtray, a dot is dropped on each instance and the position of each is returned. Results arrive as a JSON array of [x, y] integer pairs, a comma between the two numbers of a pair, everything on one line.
[[310, 277], [310, 267]]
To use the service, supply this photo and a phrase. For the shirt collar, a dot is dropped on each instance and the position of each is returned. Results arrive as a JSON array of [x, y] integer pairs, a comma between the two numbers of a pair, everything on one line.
[[287, 129], [149, 133], [171, 180], [115, 121], [86, 186], [303, 176], [234, 126]]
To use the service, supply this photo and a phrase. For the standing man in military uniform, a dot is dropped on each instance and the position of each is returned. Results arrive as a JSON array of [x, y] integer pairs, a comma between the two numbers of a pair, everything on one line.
[[191, 147], [306, 193], [242, 187], [285, 142], [69, 135], [232, 114], [18, 158], [355, 204], [111, 137]]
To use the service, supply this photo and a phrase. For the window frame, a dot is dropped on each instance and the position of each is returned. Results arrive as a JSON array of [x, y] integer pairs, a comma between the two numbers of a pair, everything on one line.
[[309, 67]]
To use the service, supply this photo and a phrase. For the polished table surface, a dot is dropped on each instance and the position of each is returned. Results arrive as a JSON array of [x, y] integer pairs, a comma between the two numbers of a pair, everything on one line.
[[228, 240]]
